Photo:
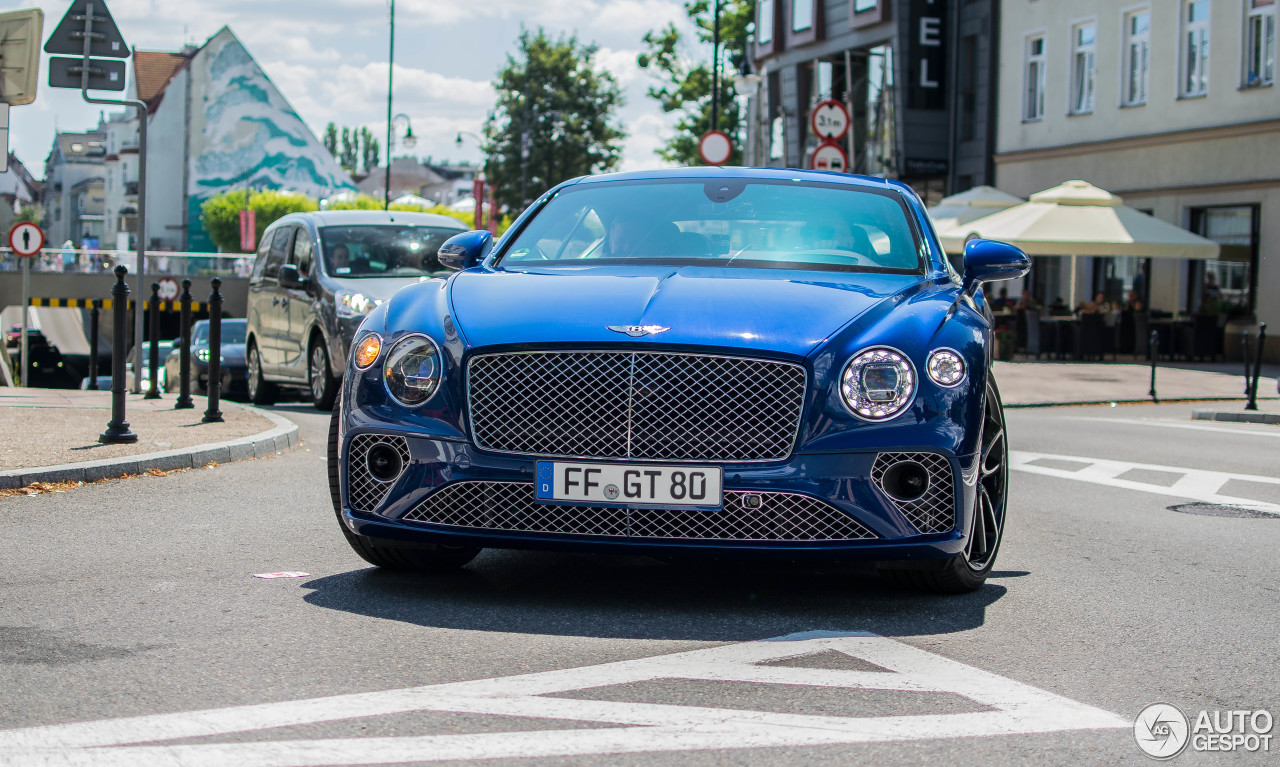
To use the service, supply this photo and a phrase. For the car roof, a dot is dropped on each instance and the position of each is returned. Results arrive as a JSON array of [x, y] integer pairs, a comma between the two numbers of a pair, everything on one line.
[[764, 174], [376, 217]]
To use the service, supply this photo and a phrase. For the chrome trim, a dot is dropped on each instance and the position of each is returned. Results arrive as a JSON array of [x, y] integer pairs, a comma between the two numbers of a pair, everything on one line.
[[439, 381], [634, 355]]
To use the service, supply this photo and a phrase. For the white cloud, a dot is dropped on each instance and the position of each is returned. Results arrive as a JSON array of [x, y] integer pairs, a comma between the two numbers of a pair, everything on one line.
[[621, 64]]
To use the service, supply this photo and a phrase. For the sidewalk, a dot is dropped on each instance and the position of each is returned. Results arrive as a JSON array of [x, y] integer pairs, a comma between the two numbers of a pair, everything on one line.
[[1037, 384], [58, 430]]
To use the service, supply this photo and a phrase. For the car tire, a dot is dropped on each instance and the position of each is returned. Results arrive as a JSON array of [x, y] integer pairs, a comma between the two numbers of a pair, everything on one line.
[[261, 391], [320, 381], [969, 570], [379, 553]]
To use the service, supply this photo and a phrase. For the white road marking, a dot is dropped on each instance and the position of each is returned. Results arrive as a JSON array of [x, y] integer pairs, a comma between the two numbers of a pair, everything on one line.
[[1192, 484], [1242, 428], [1016, 708]]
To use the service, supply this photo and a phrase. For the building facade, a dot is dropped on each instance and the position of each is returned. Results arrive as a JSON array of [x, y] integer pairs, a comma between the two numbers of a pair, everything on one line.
[[76, 158], [1173, 105], [916, 77]]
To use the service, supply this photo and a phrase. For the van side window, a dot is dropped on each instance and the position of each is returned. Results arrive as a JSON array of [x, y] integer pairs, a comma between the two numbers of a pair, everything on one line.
[[301, 256], [279, 249], [264, 248]]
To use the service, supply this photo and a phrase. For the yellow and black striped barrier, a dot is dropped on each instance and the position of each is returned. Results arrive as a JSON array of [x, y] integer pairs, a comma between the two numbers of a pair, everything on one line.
[[87, 303]]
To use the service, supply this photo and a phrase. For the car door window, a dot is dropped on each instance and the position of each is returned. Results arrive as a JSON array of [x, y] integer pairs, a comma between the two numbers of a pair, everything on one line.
[[279, 248], [264, 251], [301, 254]]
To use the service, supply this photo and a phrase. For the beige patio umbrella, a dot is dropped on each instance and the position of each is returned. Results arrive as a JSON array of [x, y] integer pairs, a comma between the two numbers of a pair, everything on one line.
[[1079, 219], [959, 209]]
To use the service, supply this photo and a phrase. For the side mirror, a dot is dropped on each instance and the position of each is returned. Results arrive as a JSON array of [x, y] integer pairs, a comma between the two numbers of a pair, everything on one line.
[[989, 261], [288, 277], [463, 251]]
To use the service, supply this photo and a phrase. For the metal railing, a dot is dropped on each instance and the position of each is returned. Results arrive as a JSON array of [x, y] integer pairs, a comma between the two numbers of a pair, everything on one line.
[[159, 262]]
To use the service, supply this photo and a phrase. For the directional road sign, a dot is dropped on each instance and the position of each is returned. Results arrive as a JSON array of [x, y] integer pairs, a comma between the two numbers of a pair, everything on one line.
[[829, 156], [829, 120], [26, 239], [106, 40], [104, 74], [20, 33], [715, 147]]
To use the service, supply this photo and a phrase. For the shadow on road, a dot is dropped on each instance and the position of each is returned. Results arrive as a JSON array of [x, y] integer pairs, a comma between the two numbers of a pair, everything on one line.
[[637, 598]]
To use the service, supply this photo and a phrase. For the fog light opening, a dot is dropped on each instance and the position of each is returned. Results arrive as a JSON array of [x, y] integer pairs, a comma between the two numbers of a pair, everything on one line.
[[383, 462], [906, 481]]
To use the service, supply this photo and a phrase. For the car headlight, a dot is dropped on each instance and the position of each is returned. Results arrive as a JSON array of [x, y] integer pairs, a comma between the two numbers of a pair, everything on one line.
[[412, 370], [878, 383], [367, 351], [946, 367], [203, 356], [353, 304]]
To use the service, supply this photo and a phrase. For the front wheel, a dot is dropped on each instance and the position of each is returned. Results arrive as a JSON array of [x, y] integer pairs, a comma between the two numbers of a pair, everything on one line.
[[323, 388], [970, 569], [261, 391], [389, 556]]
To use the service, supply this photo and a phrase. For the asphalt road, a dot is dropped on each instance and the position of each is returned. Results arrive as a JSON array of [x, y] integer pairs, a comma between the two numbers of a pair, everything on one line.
[[136, 599]]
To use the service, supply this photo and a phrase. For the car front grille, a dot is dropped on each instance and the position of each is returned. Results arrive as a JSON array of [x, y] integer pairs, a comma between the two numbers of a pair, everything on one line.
[[364, 491], [935, 511], [639, 405], [512, 507]]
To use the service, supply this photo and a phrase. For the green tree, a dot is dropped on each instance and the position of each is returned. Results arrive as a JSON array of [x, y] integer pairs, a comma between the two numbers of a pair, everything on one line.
[[554, 120], [685, 76], [220, 214], [331, 139], [368, 150], [348, 157]]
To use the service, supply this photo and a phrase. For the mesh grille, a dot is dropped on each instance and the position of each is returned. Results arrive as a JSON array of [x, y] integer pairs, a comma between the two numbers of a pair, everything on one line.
[[935, 511], [646, 405], [512, 506], [364, 493]]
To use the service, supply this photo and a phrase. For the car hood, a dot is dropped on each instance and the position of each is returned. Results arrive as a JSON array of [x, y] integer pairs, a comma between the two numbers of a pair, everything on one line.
[[377, 288], [787, 311]]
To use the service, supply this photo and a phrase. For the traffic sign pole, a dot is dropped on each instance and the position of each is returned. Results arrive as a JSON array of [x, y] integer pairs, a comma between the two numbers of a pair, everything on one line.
[[26, 301], [26, 241]]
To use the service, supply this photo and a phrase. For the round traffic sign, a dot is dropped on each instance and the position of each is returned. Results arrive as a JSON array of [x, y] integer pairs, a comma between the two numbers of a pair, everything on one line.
[[715, 147], [168, 289], [829, 120], [26, 239], [829, 156]]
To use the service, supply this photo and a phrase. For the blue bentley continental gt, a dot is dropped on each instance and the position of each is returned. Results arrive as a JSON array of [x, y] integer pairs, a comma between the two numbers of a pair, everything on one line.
[[701, 362]]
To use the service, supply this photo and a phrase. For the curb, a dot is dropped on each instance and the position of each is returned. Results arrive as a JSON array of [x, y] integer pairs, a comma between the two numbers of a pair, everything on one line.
[[284, 436], [1144, 401], [1248, 416]]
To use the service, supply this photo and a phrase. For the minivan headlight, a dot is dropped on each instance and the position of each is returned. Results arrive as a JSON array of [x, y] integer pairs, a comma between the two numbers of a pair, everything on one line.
[[878, 383], [352, 304], [412, 370]]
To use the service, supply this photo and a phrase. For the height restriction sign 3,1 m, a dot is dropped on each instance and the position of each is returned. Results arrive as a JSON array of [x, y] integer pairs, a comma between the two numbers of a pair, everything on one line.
[[829, 120]]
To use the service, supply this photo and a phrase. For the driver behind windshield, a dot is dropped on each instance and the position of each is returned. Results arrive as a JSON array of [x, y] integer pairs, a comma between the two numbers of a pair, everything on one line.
[[340, 261]]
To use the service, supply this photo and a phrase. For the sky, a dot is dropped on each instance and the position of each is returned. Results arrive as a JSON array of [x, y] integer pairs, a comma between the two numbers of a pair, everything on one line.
[[329, 59]]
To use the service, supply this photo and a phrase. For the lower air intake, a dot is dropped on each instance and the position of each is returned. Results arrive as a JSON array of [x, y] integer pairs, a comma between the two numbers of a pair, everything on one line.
[[365, 491], [933, 511]]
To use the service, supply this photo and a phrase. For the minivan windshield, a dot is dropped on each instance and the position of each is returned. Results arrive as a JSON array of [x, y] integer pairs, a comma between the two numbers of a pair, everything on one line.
[[723, 222], [384, 250], [233, 332]]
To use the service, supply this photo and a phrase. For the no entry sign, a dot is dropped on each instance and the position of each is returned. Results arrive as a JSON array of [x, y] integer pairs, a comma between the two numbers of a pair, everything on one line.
[[26, 239]]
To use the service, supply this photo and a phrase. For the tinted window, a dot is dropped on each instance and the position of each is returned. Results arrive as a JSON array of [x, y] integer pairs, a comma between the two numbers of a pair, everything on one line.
[[384, 251], [264, 249], [279, 248], [301, 255], [723, 223]]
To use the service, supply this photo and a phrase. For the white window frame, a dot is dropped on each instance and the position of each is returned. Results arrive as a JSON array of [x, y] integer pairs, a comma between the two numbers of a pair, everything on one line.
[[1084, 82], [1204, 40], [796, 5], [1261, 21], [1034, 112], [764, 20], [1128, 39]]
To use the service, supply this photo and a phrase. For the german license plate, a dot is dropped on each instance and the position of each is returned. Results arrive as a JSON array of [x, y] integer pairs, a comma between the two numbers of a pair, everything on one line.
[[630, 484]]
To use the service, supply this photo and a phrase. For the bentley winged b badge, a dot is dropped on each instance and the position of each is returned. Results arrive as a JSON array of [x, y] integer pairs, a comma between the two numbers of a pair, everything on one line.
[[636, 331]]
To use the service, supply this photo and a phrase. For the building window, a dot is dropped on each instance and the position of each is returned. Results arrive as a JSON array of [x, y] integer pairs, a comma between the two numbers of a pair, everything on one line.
[[1229, 283], [864, 13], [764, 22], [1033, 89], [1084, 45], [1260, 44], [801, 15], [1195, 47], [968, 88], [1137, 56]]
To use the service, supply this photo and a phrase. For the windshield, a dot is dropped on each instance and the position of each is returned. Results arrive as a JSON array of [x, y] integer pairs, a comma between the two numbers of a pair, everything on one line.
[[734, 222], [232, 332], [384, 251]]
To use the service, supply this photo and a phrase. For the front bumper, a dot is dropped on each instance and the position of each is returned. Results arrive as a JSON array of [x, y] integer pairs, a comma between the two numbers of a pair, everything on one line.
[[812, 506]]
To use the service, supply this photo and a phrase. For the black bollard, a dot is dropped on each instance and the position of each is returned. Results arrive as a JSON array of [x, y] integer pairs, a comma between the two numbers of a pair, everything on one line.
[[1257, 368], [93, 343], [1155, 357], [184, 355], [117, 427], [1244, 355], [212, 414], [153, 330]]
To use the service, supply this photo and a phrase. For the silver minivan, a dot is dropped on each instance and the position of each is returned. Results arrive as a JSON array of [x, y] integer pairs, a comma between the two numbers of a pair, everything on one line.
[[315, 278]]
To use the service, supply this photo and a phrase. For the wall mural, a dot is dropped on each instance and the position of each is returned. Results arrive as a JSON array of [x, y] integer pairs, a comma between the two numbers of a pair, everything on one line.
[[247, 133]]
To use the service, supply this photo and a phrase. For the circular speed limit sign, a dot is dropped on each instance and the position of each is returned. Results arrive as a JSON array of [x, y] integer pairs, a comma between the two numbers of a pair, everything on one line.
[[26, 239], [829, 120]]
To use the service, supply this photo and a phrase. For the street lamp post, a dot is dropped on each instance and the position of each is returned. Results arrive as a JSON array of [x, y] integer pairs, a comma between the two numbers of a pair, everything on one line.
[[408, 141]]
